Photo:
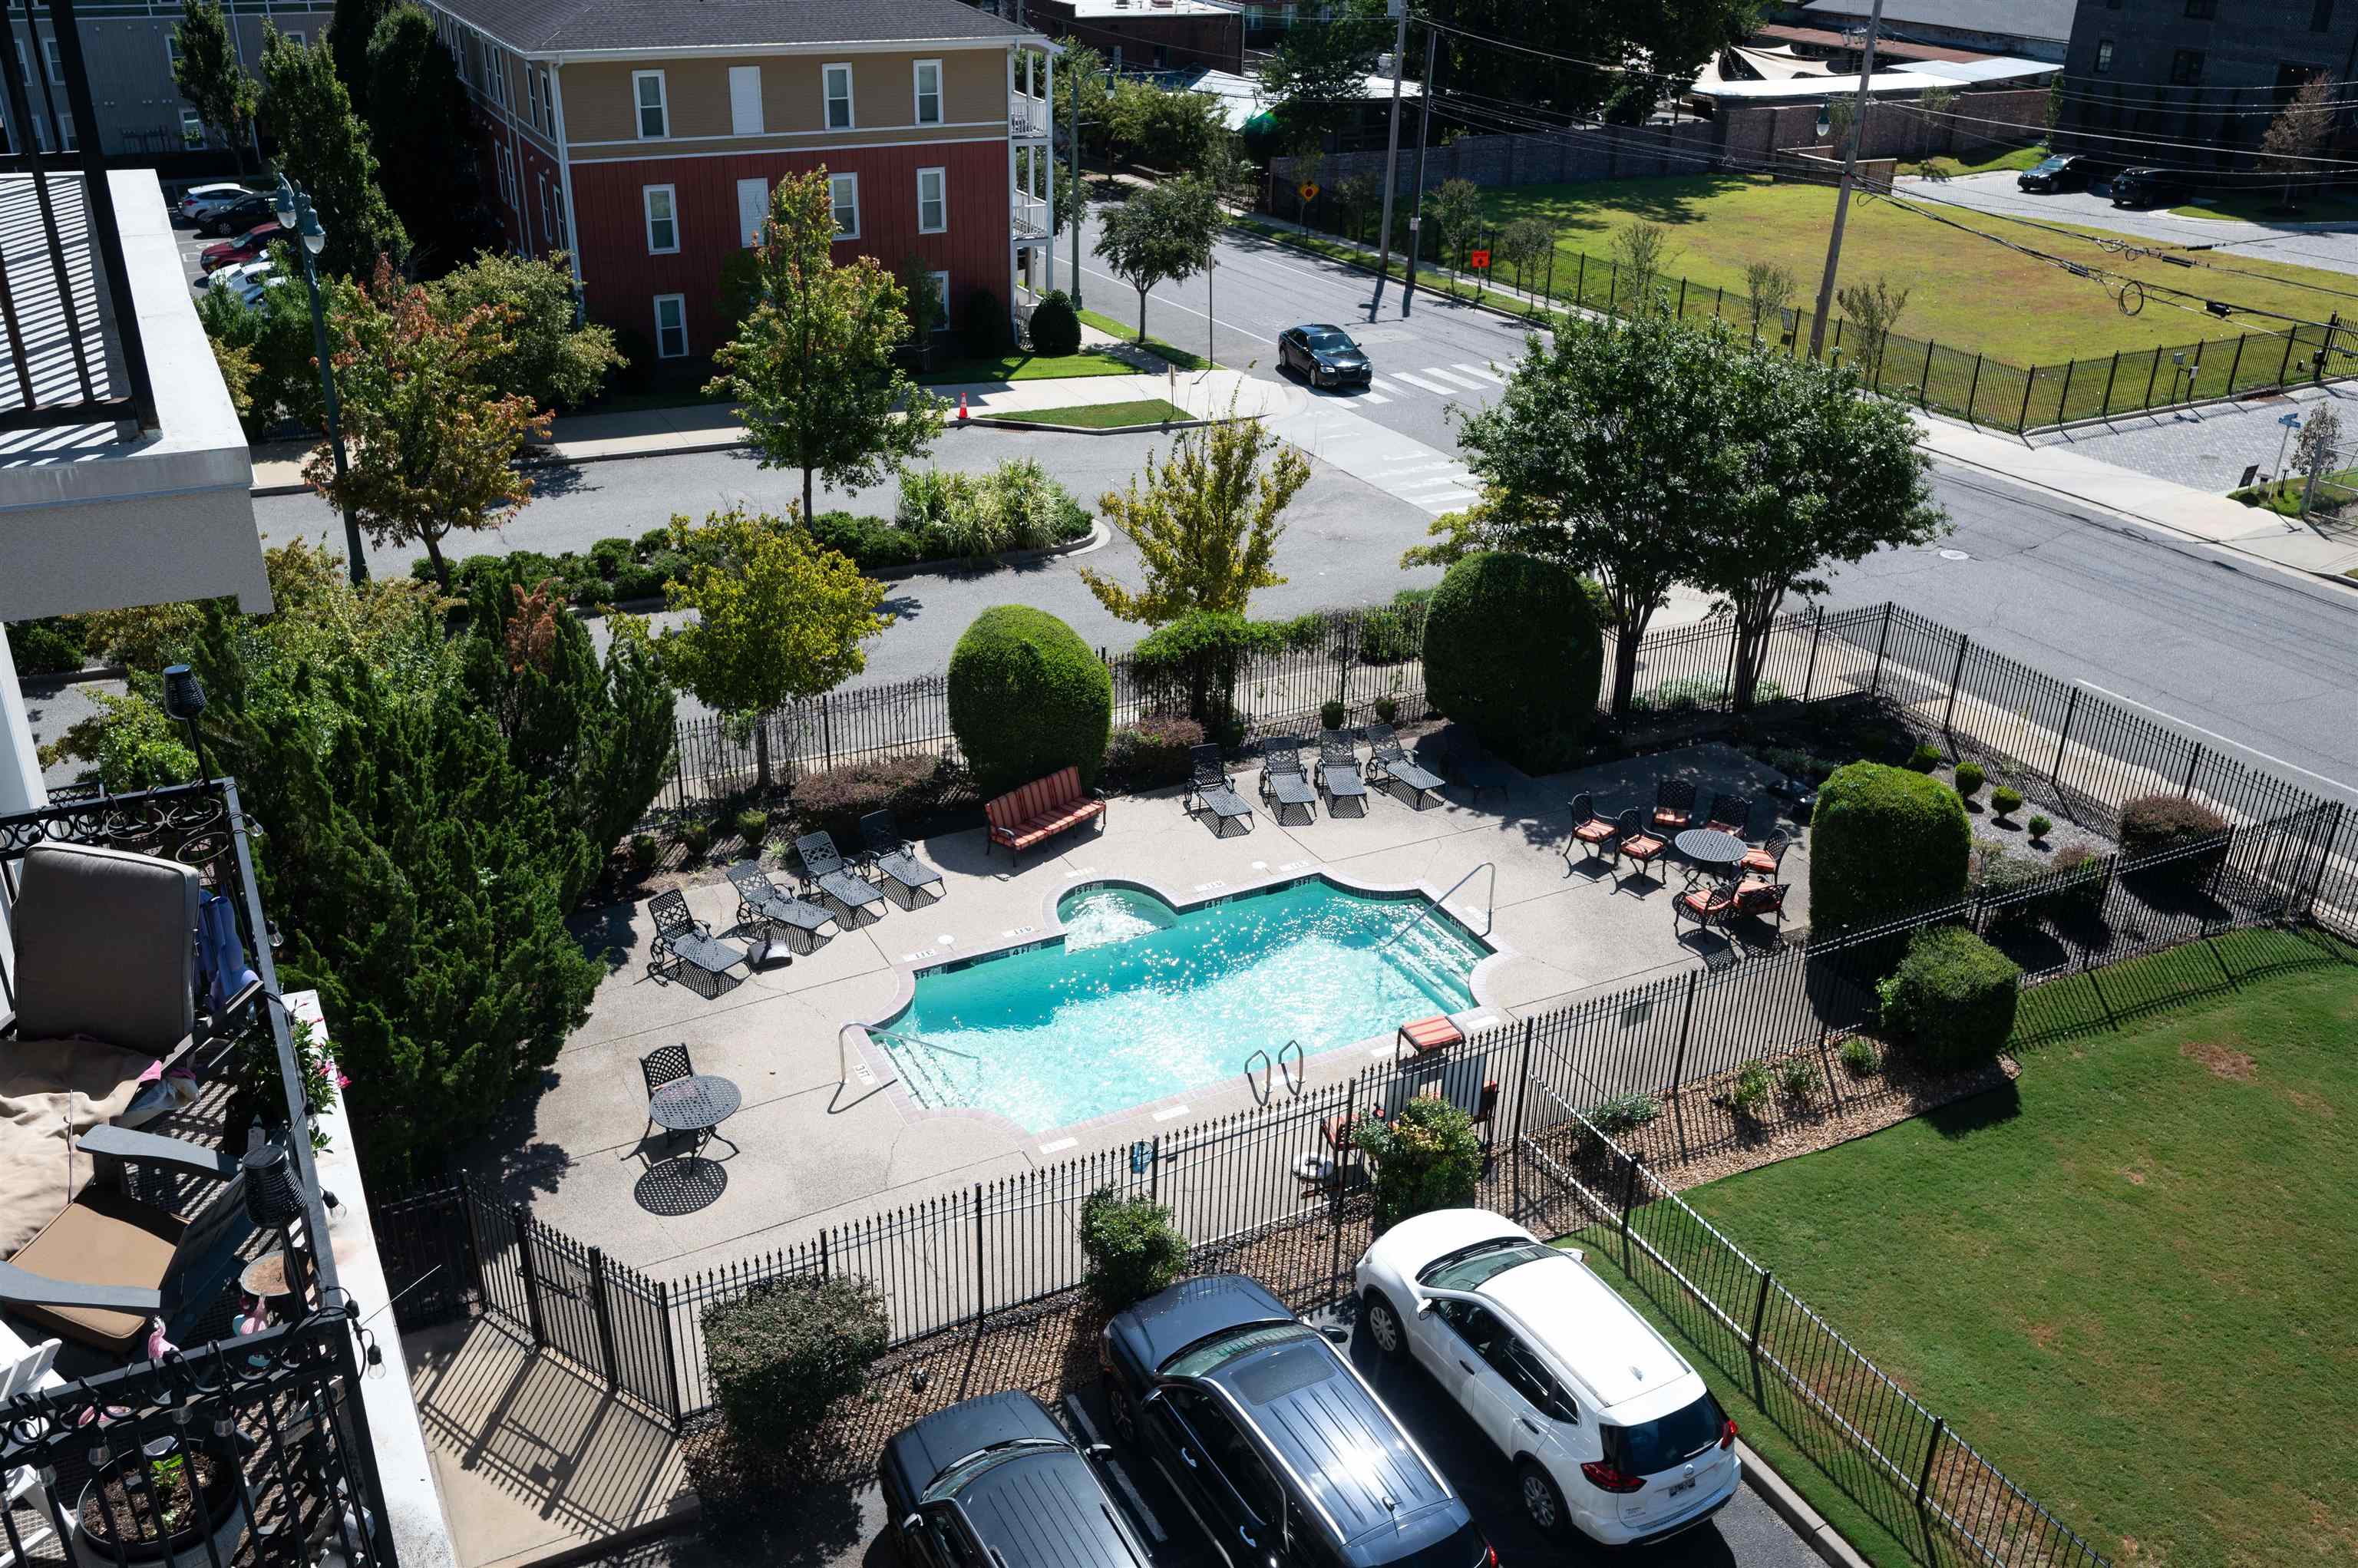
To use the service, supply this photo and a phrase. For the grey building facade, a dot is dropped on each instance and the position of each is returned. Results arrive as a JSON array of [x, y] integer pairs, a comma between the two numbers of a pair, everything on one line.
[[2028, 30], [2195, 83]]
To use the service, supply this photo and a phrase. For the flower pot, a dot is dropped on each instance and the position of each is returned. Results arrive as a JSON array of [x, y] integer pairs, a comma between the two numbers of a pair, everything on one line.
[[185, 1547]]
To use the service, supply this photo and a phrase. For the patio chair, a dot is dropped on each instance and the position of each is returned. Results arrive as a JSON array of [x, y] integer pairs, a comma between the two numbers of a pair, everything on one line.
[[1474, 765], [1388, 763], [824, 869], [682, 939], [1731, 814], [892, 855], [759, 898], [1285, 780], [1759, 899], [668, 1065], [33, 1369], [1705, 903], [1768, 859], [1338, 770], [1639, 848], [1209, 789], [110, 1262], [1589, 830], [1674, 807]]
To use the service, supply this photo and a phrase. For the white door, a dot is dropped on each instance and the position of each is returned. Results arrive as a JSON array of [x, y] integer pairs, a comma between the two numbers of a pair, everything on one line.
[[1464, 1369], [752, 210]]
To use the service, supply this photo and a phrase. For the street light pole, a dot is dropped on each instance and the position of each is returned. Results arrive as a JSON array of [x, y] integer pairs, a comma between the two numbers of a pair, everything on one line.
[[1391, 162], [295, 210], [1081, 197], [1850, 172], [1416, 205]]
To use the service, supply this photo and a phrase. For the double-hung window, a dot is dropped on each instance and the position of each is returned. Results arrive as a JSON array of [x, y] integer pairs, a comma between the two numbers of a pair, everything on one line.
[[49, 62], [929, 92], [835, 84], [843, 191], [663, 220], [671, 326], [933, 200], [654, 114], [193, 128]]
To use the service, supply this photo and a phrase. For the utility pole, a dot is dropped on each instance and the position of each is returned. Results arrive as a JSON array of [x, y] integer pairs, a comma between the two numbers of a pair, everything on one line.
[[1416, 207], [1392, 158], [1081, 197], [1842, 197]]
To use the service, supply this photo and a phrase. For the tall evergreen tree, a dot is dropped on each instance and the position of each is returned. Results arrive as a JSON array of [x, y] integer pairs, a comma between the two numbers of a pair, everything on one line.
[[326, 149], [351, 32], [209, 77], [414, 104]]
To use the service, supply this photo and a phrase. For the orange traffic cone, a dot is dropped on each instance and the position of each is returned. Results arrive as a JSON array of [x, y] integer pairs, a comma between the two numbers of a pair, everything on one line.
[[961, 408]]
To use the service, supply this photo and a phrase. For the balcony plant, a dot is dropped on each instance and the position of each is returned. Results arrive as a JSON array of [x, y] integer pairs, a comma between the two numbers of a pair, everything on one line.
[[152, 1510]]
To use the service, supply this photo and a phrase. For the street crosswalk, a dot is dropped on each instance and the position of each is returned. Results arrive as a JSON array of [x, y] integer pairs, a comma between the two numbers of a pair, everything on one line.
[[1439, 381]]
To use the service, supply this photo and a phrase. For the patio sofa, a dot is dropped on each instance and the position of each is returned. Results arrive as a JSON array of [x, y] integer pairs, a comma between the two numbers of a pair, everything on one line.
[[1041, 810]]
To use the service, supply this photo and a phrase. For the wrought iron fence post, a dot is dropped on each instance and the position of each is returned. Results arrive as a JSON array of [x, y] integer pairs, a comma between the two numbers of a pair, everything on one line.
[[471, 1242], [822, 1253], [2285, 369], [1948, 716], [1974, 390], [827, 728], [1924, 1483], [1154, 1170], [2152, 371], [521, 1219], [2192, 765], [2029, 380], [1580, 286], [2063, 399], [1342, 1159], [1759, 1312], [1875, 681], [980, 1294], [1817, 630], [602, 1310], [2055, 773], [2110, 376], [671, 1344], [1628, 1201], [2233, 365]]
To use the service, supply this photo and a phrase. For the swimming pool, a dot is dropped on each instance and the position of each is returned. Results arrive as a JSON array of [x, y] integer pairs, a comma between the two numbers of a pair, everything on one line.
[[1139, 1000]]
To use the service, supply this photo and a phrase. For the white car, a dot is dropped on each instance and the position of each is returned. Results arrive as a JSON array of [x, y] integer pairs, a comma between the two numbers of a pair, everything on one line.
[[200, 202], [245, 281], [1609, 1429]]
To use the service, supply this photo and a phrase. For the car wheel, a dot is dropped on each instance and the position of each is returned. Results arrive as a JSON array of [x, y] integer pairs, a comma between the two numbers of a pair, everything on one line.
[[1125, 1414], [1385, 1325], [1543, 1503]]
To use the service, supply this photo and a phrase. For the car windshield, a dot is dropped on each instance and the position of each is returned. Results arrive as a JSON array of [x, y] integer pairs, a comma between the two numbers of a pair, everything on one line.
[[1214, 1351], [2048, 166], [1652, 1446], [1465, 1269], [1327, 339], [1460, 1548], [952, 1480]]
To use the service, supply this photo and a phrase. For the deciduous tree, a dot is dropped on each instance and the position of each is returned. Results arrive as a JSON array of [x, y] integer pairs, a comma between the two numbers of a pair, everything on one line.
[[1170, 132], [540, 351], [1526, 241], [1456, 210], [325, 148], [352, 33], [1162, 234], [1642, 253], [1873, 309], [1205, 522], [811, 364], [1359, 196], [1317, 79], [2299, 133], [1768, 290], [432, 446], [208, 76]]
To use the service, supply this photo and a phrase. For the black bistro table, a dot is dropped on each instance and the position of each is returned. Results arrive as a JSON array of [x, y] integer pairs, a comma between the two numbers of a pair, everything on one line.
[[699, 1105], [1712, 850]]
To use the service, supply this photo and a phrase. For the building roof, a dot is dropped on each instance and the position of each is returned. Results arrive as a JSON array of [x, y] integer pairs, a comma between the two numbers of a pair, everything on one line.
[[1833, 38], [620, 27], [1240, 99], [2000, 67], [2047, 19], [1814, 89]]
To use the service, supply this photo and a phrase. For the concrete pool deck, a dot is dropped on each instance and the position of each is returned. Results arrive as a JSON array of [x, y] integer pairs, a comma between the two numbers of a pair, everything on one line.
[[815, 1151]]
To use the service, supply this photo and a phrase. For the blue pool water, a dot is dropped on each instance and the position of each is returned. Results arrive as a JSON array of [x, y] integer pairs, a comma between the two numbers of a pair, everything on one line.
[[1140, 1001]]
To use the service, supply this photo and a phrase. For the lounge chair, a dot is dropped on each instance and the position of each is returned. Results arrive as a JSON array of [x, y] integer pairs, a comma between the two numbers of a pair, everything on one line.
[[1674, 807], [892, 854], [1210, 789], [1390, 764], [824, 869], [1589, 830], [1731, 814], [1640, 848], [761, 899], [1474, 766], [1338, 770], [1285, 780], [682, 939]]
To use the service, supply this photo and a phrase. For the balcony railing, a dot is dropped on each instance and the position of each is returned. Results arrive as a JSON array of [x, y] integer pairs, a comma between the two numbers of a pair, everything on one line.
[[261, 1404], [1027, 116], [1028, 215]]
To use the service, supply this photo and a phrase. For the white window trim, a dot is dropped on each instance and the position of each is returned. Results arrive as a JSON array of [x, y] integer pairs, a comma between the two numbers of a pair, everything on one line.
[[944, 226], [917, 94], [941, 301], [298, 39], [662, 105], [683, 327], [648, 212], [191, 120], [52, 63], [850, 97], [532, 96], [844, 236]]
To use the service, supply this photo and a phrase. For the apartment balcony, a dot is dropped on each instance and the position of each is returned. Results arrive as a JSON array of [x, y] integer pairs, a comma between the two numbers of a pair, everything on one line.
[[1027, 116], [1028, 216]]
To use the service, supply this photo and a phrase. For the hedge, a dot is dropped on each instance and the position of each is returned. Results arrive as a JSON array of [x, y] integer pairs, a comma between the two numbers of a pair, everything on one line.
[[1132, 1248], [1514, 651], [1027, 697], [1885, 842], [1952, 997], [1056, 330], [781, 1355], [2152, 823]]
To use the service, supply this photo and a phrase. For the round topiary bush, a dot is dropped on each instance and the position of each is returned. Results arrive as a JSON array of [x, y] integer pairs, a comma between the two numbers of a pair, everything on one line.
[[1132, 1248], [1513, 650], [1026, 698], [1885, 842], [2151, 824], [1426, 1157], [1056, 330], [781, 1355], [1952, 997]]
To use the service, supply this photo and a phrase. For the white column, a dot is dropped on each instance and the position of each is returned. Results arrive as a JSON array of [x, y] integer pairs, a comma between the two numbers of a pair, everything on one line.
[[1012, 189], [1047, 155]]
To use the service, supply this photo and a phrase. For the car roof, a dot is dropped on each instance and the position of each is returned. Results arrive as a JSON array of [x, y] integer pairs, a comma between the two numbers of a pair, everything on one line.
[[1046, 1508], [1167, 1323], [1347, 1455], [931, 1446], [219, 189], [1320, 327], [1585, 1327]]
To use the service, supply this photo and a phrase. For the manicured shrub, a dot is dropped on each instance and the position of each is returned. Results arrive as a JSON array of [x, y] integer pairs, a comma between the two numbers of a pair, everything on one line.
[[2040, 826], [982, 325], [1513, 650], [1331, 715], [911, 788], [2005, 801], [646, 849], [1386, 709], [1151, 752], [1132, 1248], [1952, 997], [1027, 697], [1860, 1057], [1748, 1095], [1055, 329], [1970, 779], [1883, 842], [1924, 759], [783, 1353], [1798, 1080], [1626, 1113], [2152, 823], [874, 543], [2082, 877], [698, 837], [46, 647], [1428, 1156], [751, 824]]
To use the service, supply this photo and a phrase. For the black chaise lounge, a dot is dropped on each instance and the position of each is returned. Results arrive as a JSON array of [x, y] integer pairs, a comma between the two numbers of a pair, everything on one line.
[[1338, 770], [760, 899], [681, 938], [897, 859], [1389, 763], [1211, 790], [1284, 781], [824, 869]]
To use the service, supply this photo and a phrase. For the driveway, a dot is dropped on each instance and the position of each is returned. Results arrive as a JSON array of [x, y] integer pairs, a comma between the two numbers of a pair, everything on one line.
[[2334, 248]]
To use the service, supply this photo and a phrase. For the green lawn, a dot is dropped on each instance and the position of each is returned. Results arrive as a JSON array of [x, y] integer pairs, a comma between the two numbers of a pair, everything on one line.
[[1980, 163], [1128, 332], [1107, 416], [1020, 366], [2127, 1279]]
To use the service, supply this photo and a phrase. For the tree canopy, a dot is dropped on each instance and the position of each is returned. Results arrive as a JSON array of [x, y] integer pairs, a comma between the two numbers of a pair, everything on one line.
[[1161, 234], [207, 71], [1316, 79], [1206, 522], [325, 149], [416, 109], [1639, 49]]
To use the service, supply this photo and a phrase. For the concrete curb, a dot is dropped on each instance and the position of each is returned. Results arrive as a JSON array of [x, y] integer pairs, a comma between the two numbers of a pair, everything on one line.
[[1018, 424], [1794, 1509], [555, 458], [1289, 240]]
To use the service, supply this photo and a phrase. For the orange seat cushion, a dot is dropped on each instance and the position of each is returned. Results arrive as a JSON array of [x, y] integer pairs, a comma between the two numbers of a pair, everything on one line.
[[1667, 818], [1593, 832], [1431, 1034], [103, 1238], [1641, 847], [1759, 860]]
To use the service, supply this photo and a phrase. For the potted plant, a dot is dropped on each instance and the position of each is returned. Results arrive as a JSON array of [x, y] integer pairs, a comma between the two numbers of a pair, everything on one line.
[[149, 1508]]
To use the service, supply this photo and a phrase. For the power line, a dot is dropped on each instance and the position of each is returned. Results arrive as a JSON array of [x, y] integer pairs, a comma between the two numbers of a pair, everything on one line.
[[2140, 141]]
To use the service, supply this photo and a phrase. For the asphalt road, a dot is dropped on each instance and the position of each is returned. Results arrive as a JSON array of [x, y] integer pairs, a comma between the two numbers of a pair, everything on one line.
[[2000, 194]]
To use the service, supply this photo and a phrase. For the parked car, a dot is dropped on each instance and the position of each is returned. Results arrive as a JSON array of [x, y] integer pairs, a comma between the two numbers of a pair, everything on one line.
[[1272, 1440], [236, 216], [996, 1480], [1609, 1429], [2151, 187], [246, 280], [1324, 355], [252, 245], [202, 202], [2067, 171]]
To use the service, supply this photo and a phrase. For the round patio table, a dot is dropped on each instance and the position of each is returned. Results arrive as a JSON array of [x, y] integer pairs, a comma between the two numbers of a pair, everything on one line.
[[1712, 849], [694, 1104]]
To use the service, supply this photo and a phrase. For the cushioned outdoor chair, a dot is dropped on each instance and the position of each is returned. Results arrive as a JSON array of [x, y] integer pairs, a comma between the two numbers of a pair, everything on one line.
[[824, 869], [1731, 814], [1705, 903], [1210, 789], [1674, 807], [894, 855], [1589, 831], [1284, 781], [1640, 848], [682, 940], [1338, 770], [1389, 763], [1756, 898], [1768, 859], [761, 900]]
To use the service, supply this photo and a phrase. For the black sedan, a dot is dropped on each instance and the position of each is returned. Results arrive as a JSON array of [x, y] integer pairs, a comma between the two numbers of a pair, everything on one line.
[[2067, 171], [2151, 187], [238, 217], [996, 1480], [1324, 355]]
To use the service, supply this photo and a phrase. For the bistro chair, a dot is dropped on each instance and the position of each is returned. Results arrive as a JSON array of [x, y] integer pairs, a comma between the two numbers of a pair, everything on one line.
[[1674, 807], [1731, 814], [1768, 859], [1589, 830], [1639, 848]]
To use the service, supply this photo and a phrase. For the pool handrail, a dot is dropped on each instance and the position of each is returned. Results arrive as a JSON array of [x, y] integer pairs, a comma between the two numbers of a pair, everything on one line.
[[1265, 1085], [1489, 909], [1260, 1086], [1300, 1075], [843, 1072]]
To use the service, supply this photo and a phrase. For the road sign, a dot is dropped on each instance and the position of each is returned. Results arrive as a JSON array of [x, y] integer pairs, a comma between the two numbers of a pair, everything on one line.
[[1479, 261], [1307, 190], [2289, 421]]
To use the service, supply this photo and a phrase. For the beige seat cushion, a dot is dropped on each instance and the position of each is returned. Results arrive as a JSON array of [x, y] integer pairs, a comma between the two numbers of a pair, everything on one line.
[[102, 1239], [52, 1091]]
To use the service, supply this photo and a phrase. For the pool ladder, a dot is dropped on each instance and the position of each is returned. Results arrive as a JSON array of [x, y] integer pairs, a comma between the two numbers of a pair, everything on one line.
[[1489, 909], [1264, 1085]]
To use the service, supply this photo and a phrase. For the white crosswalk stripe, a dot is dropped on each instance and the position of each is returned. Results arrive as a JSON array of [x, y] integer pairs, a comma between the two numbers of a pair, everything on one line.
[[1469, 383], [1447, 500], [1372, 397], [1445, 481], [1431, 386], [1380, 384], [1478, 373]]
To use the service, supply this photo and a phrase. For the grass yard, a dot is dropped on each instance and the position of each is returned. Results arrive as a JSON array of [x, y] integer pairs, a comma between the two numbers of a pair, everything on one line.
[[2127, 1279], [1128, 332], [1021, 367], [2016, 158], [1108, 416]]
